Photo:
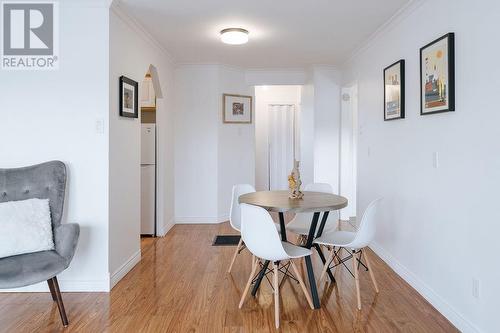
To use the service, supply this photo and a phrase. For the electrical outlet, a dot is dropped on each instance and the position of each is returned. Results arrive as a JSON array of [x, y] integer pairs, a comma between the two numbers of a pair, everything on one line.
[[476, 288]]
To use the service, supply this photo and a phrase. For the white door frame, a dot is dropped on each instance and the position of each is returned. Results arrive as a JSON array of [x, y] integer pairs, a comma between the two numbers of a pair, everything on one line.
[[348, 148]]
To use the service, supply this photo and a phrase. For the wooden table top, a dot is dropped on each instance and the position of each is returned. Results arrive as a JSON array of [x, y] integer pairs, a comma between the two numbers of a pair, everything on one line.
[[278, 201]]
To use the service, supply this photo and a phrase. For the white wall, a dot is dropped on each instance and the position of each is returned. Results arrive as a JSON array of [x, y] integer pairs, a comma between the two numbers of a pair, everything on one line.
[[292, 76], [196, 140], [326, 125], [438, 228], [306, 122], [265, 95], [131, 54], [52, 115], [236, 142], [209, 156]]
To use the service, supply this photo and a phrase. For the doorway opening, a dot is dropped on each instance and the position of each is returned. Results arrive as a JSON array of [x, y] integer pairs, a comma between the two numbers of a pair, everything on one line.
[[150, 93], [277, 134]]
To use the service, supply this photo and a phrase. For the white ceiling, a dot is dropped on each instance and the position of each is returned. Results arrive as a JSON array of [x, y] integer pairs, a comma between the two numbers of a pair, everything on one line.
[[283, 33]]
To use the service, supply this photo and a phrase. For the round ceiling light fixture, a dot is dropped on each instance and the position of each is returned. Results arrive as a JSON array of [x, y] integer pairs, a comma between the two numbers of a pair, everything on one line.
[[234, 36]]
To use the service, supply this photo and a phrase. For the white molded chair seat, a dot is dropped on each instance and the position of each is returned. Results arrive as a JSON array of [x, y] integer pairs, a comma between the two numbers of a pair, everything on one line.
[[356, 242], [235, 216], [301, 223], [294, 251], [259, 233], [336, 238]]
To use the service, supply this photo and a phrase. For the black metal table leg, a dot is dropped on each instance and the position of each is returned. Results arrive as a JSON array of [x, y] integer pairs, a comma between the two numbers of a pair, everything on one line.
[[282, 226], [260, 277], [312, 282], [310, 272], [322, 224]]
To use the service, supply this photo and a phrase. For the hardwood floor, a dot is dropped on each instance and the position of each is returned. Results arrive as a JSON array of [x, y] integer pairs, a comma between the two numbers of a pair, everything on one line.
[[181, 285]]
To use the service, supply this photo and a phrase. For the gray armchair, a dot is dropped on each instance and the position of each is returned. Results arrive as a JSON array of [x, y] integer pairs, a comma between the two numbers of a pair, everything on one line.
[[42, 181]]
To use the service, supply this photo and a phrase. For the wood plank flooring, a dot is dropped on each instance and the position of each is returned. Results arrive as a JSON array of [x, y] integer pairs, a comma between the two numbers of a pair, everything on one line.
[[181, 285]]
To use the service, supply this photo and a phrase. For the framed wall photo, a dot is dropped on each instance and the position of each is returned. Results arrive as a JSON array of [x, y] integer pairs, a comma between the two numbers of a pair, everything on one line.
[[129, 99], [236, 109], [437, 75], [394, 91]]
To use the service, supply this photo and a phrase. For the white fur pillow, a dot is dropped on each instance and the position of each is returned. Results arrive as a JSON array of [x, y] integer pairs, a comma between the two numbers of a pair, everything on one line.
[[25, 227]]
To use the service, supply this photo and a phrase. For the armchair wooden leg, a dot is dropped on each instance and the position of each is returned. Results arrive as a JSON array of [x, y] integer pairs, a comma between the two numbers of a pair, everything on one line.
[[240, 243], [52, 291], [59, 300]]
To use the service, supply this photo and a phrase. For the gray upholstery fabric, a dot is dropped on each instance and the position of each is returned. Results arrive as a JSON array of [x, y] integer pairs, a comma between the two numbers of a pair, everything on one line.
[[42, 181], [30, 268]]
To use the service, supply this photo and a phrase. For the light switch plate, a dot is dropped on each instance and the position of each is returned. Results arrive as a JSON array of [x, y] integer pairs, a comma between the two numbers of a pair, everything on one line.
[[99, 126], [435, 160]]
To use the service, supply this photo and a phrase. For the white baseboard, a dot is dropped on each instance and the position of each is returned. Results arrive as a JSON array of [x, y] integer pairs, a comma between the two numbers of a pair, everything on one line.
[[426, 291], [125, 268], [201, 219], [164, 229], [65, 286]]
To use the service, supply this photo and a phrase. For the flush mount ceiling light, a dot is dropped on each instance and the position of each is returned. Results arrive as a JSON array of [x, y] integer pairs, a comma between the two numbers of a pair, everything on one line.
[[234, 36]]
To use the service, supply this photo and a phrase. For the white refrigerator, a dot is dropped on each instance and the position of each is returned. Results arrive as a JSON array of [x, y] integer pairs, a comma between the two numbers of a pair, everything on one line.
[[148, 179]]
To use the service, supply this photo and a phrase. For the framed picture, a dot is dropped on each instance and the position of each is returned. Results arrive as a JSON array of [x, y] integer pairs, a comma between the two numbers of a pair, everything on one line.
[[129, 99], [437, 75], [236, 109], [394, 91]]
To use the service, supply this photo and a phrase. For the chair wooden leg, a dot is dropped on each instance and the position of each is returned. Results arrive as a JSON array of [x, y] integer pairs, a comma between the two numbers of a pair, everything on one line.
[[276, 296], [59, 301], [370, 271], [249, 282], [51, 288], [336, 259], [356, 277], [302, 285], [325, 267], [235, 254]]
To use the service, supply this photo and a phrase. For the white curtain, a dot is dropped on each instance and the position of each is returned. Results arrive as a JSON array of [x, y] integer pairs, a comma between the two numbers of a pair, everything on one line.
[[281, 131]]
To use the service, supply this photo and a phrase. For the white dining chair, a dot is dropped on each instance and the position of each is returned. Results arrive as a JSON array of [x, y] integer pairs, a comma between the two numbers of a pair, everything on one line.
[[263, 241], [301, 223], [355, 242], [235, 215]]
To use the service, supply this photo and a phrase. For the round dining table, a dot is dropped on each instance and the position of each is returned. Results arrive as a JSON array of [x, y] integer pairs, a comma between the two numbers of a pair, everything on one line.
[[311, 202]]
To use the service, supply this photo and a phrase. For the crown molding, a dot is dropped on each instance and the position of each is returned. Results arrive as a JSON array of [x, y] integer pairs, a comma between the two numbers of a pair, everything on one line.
[[85, 3], [134, 24], [399, 16], [214, 64]]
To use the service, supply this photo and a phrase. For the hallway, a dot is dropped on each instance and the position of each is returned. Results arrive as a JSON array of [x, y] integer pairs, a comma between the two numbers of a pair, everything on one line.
[[181, 285]]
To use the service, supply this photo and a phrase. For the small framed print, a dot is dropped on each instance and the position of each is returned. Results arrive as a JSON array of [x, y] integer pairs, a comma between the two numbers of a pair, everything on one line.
[[394, 91], [236, 109], [129, 98], [437, 75]]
